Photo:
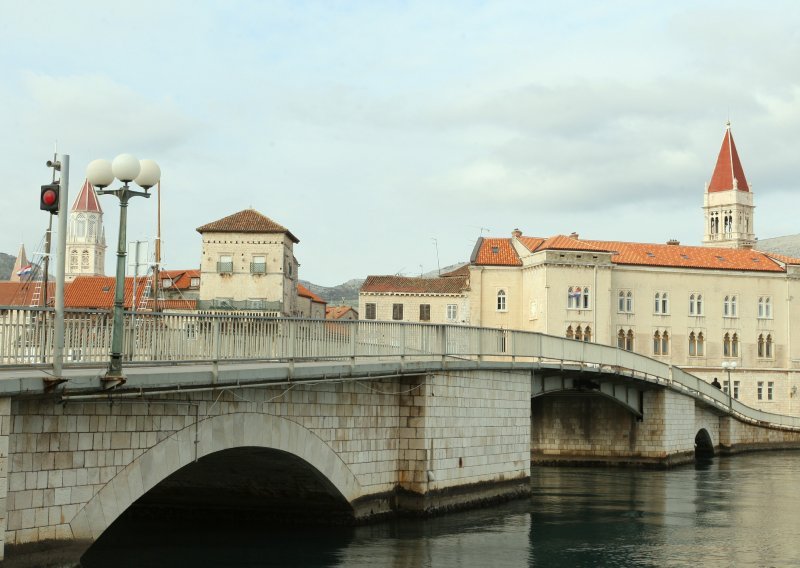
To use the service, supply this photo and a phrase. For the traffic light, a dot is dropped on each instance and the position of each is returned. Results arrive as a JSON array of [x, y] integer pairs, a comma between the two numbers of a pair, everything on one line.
[[48, 200]]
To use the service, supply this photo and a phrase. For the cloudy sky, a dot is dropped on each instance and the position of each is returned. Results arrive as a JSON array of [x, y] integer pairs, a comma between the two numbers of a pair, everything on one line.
[[372, 128]]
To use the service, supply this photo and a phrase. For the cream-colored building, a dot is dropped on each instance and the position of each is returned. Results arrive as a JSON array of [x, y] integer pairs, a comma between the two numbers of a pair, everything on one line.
[[692, 306], [248, 263]]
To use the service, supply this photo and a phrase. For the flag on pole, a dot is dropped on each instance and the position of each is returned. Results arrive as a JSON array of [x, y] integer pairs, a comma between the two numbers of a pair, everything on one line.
[[25, 270]]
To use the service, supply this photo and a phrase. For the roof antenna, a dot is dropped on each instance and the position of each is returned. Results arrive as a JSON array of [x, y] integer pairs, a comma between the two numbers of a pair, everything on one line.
[[436, 246]]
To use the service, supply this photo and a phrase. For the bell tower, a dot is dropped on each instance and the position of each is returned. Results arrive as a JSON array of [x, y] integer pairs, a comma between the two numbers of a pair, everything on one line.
[[728, 201], [86, 237]]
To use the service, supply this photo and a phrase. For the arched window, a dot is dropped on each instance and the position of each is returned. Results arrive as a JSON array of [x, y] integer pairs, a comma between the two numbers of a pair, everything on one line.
[[629, 302], [92, 227], [621, 305], [735, 345], [80, 225], [501, 301], [570, 333], [657, 306], [760, 344], [629, 340], [73, 261], [656, 343], [767, 308], [587, 334], [585, 297], [726, 345], [574, 297], [733, 307], [692, 345], [699, 304], [701, 344], [621, 340], [665, 343], [85, 260], [726, 306], [761, 307], [692, 305], [579, 333], [769, 347]]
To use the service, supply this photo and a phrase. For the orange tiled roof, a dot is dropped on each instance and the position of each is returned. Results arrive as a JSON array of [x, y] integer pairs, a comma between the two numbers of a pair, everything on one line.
[[21, 293], [247, 221], [651, 254], [306, 293], [337, 312], [409, 285], [97, 292], [728, 167], [495, 252], [782, 258], [181, 279]]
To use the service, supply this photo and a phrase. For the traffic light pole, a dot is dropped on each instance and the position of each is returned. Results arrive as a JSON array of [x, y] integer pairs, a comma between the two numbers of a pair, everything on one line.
[[63, 204]]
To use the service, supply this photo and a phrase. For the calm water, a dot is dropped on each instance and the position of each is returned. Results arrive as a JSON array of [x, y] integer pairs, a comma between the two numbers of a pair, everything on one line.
[[739, 511]]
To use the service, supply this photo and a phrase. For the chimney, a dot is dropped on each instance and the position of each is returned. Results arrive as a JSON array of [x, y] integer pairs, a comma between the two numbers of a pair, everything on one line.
[[673, 242], [574, 235], [516, 233]]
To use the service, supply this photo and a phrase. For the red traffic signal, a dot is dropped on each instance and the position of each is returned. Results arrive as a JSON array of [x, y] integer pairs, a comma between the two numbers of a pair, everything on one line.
[[48, 199]]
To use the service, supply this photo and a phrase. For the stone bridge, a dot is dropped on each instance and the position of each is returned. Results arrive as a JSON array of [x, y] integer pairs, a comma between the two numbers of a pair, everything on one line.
[[345, 421]]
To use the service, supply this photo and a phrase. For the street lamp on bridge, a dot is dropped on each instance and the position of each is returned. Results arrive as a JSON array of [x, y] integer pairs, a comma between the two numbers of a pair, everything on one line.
[[101, 173], [729, 366]]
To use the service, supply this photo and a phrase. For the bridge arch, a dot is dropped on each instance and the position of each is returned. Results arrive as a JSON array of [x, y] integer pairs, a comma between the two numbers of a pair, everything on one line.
[[212, 435], [703, 444]]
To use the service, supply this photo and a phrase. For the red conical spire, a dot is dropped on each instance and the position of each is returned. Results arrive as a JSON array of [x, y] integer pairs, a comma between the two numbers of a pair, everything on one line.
[[728, 167], [87, 199]]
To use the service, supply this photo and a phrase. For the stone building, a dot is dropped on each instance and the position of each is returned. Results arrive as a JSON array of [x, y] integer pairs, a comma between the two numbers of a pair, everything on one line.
[[248, 263], [86, 237], [692, 306]]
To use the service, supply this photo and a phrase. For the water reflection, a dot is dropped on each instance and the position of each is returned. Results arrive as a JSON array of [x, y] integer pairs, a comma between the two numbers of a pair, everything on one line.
[[729, 511]]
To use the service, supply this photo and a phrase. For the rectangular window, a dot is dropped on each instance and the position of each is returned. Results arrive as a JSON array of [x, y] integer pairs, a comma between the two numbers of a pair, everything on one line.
[[760, 390], [370, 311], [258, 265], [725, 386], [225, 264], [397, 311], [764, 307], [695, 304], [191, 331], [452, 312], [661, 303], [578, 298], [735, 389], [166, 282], [195, 283], [424, 312], [770, 389]]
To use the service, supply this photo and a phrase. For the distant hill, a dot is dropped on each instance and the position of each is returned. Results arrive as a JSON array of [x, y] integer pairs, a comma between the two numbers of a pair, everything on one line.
[[343, 294], [788, 245], [6, 265]]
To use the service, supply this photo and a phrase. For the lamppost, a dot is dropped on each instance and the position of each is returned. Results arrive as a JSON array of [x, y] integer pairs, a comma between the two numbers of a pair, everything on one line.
[[101, 173], [729, 366]]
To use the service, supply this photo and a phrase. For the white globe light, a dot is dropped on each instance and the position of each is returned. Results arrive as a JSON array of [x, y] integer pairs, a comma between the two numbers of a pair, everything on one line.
[[125, 167], [99, 173], [149, 175]]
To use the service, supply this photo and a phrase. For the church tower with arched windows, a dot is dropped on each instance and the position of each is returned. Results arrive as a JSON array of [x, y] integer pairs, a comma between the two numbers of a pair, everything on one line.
[[86, 239], [728, 201]]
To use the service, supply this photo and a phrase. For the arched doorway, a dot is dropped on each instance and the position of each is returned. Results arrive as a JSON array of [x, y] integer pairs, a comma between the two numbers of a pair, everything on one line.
[[703, 445]]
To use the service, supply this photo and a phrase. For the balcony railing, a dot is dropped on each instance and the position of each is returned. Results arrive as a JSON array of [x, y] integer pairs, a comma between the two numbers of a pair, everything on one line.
[[225, 267], [258, 267]]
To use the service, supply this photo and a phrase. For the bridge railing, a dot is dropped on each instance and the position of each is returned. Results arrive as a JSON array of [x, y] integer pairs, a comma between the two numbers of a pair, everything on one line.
[[26, 339]]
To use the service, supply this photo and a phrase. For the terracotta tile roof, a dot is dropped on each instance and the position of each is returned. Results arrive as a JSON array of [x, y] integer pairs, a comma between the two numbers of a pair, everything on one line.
[[495, 252], [337, 312], [181, 279], [728, 167], [460, 271], [21, 293], [87, 199], [531, 243], [247, 221], [97, 292], [782, 258], [561, 242], [409, 285], [172, 305], [306, 293]]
